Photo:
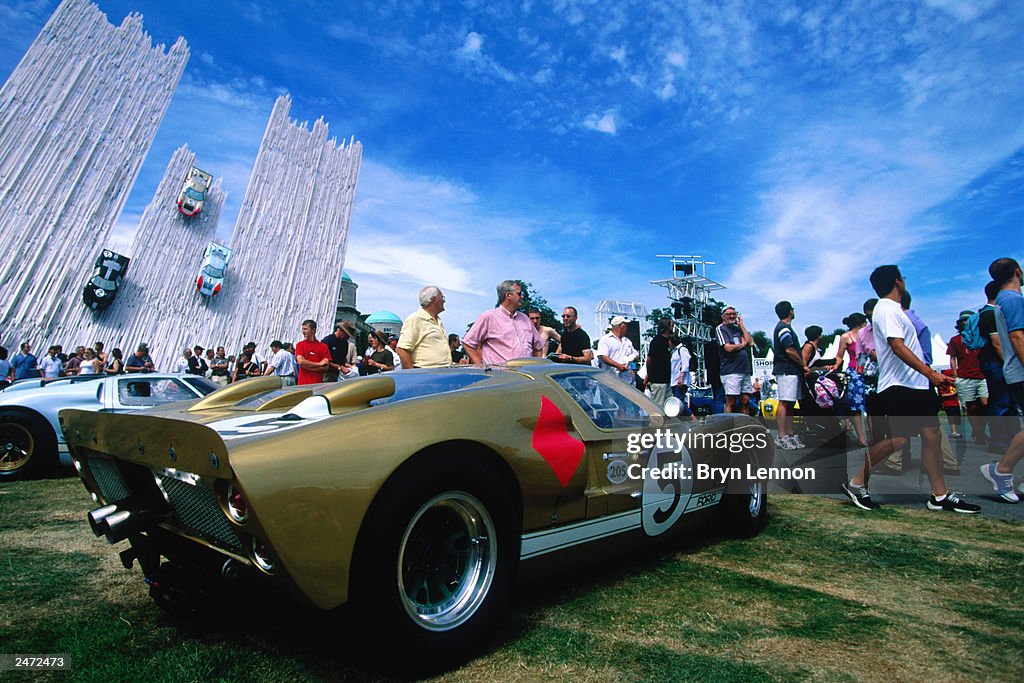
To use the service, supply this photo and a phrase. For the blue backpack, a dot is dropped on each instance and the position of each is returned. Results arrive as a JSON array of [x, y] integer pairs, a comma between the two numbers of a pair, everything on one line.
[[971, 336]]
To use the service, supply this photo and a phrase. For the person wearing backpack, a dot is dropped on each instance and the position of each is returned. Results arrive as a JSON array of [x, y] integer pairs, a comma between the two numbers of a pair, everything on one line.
[[1009, 314], [990, 360], [970, 381]]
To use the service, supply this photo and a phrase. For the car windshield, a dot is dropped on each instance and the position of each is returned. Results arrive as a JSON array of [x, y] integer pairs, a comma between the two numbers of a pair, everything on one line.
[[414, 385], [607, 408], [193, 194], [103, 283], [201, 384], [213, 271]]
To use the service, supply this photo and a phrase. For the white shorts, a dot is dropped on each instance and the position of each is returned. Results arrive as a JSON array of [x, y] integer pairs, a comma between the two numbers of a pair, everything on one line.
[[735, 385], [971, 389], [789, 387]]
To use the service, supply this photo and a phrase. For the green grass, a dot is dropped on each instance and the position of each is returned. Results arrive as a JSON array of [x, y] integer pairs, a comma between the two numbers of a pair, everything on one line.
[[825, 593]]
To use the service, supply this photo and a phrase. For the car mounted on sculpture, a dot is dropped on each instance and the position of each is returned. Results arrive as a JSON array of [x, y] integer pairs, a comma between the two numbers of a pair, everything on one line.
[[193, 192], [31, 442], [108, 273], [415, 496], [211, 272]]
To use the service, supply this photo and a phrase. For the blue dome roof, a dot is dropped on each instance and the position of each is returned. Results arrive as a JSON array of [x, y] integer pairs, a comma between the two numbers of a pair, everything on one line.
[[383, 317], [345, 277]]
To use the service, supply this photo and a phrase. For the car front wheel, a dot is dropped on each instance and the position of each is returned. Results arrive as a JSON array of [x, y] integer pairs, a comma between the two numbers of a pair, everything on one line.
[[437, 562], [28, 445]]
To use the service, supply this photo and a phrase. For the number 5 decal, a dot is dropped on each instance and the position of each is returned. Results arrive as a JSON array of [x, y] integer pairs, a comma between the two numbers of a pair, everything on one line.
[[664, 499]]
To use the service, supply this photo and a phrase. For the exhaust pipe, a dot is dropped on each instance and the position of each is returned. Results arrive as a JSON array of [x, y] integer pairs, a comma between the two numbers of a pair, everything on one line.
[[124, 523], [98, 519]]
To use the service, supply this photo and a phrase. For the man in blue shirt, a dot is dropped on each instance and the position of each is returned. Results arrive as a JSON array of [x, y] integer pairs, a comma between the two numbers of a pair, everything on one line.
[[1009, 314], [736, 368], [24, 363], [789, 370]]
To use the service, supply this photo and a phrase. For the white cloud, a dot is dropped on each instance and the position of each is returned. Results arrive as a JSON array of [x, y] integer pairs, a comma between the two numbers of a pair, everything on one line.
[[964, 10], [603, 123], [122, 235], [667, 92], [472, 46], [677, 58], [543, 77], [471, 52], [410, 230]]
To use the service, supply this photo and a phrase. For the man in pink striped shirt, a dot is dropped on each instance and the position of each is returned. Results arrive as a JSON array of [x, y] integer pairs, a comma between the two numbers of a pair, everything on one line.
[[503, 333]]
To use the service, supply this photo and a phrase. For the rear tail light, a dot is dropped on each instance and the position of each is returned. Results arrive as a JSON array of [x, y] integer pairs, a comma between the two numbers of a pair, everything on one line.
[[261, 555], [238, 509], [199, 282]]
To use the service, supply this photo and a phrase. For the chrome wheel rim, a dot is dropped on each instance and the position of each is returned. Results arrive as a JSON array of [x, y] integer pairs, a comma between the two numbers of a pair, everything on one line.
[[446, 561], [16, 445], [756, 499]]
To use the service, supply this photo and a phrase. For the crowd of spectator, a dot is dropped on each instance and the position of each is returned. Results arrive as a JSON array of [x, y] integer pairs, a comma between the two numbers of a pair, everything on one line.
[[885, 355]]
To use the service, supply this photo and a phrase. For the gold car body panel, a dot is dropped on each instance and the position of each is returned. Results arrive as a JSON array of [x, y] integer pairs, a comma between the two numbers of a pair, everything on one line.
[[309, 486], [309, 483]]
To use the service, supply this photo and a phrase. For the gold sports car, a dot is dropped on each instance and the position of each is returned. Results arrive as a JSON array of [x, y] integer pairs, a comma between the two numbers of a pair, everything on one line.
[[416, 496]]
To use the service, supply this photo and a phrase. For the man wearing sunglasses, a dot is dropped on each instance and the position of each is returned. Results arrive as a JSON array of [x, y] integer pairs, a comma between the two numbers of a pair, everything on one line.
[[575, 346]]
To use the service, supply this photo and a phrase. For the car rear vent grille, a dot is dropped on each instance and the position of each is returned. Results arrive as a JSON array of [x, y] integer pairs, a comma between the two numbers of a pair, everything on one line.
[[108, 478], [199, 513]]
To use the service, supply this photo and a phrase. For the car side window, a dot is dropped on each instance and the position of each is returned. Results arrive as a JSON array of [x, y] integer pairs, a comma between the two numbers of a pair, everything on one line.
[[151, 392], [134, 392], [606, 408]]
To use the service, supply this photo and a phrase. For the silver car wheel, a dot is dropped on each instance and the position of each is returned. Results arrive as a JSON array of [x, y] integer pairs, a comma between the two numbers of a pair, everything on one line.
[[446, 561], [756, 498]]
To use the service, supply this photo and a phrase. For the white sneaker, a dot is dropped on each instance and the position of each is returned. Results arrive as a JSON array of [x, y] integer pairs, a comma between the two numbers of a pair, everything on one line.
[[783, 442], [795, 441], [1002, 483]]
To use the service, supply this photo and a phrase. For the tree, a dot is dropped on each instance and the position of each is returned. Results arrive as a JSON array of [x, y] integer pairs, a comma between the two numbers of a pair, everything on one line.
[[761, 343], [826, 339], [531, 299], [652, 320]]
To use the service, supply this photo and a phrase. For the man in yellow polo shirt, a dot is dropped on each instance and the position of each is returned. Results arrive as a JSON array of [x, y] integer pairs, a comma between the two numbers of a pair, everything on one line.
[[423, 342]]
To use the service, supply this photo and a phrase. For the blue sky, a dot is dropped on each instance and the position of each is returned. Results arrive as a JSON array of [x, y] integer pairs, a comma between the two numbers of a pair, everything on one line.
[[797, 145]]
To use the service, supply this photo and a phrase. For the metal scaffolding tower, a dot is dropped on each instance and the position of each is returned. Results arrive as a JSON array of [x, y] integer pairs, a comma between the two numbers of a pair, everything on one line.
[[689, 290], [609, 308]]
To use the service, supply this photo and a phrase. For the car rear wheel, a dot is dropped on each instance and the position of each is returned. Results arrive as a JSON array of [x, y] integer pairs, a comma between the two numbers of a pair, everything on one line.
[[436, 562], [28, 445]]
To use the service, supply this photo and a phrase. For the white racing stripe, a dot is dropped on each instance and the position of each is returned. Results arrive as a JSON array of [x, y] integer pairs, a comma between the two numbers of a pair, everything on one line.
[[550, 540]]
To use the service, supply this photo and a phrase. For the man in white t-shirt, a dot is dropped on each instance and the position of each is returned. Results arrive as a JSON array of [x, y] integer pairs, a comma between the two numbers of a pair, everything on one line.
[[615, 351], [50, 366], [906, 401], [180, 366], [681, 373]]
